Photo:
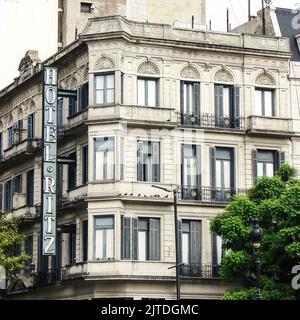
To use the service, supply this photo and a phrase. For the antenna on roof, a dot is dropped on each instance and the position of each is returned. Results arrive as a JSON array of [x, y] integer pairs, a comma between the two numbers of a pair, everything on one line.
[[228, 23], [249, 10]]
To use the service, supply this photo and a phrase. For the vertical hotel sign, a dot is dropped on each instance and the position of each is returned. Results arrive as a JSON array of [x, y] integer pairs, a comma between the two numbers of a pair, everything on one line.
[[49, 162]]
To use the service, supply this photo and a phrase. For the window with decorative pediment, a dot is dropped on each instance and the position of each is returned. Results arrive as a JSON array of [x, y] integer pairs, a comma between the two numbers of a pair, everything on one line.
[[265, 95], [148, 84]]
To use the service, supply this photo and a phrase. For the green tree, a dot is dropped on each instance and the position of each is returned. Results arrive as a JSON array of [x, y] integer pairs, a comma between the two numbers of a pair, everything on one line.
[[10, 242], [276, 202]]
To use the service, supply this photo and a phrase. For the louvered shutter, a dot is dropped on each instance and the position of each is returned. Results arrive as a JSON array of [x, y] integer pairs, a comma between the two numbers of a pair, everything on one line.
[[218, 103], [126, 236], [154, 240], [156, 161], [135, 238], [196, 242], [140, 160], [197, 102], [254, 166]]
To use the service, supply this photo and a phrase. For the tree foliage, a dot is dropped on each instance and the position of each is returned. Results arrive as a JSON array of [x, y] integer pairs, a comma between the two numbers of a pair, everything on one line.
[[10, 242], [276, 202]]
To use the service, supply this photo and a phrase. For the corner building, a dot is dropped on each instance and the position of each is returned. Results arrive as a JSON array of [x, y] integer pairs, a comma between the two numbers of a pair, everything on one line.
[[156, 105]]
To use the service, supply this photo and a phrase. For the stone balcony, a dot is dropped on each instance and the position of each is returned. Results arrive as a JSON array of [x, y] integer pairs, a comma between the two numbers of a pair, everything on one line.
[[135, 115], [73, 124], [20, 151], [73, 197], [144, 192], [258, 125]]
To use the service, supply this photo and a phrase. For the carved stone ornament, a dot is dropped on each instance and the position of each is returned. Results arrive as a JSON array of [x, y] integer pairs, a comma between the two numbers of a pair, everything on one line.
[[73, 83], [190, 72], [85, 74], [104, 63], [148, 67], [27, 64], [265, 79], [223, 75]]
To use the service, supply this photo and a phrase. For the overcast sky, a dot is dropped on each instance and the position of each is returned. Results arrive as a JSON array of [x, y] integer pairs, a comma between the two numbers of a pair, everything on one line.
[[31, 25]]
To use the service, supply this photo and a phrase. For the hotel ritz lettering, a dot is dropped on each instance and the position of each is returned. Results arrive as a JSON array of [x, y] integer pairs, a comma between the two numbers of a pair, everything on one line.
[[49, 166]]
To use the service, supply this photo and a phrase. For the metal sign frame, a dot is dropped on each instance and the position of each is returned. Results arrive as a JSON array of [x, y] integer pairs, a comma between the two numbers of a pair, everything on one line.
[[49, 161]]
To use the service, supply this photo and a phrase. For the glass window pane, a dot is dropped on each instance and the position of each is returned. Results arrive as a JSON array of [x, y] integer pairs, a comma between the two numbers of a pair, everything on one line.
[[99, 82], [260, 169], [268, 104], [151, 93], [110, 81], [109, 244], [185, 248], [104, 222], [99, 165], [185, 99], [110, 96], [269, 169], [99, 244], [258, 102], [226, 104], [218, 173], [141, 92], [227, 174], [142, 249], [110, 165], [100, 96], [265, 155]]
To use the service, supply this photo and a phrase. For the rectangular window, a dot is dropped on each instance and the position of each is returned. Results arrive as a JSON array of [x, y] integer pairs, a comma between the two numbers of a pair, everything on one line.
[[105, 89], [28, 247], [8, 196], [147, 92], [104, 167], [190, 97], [104, 238], [85, 7], [83, 96], [31, 125], [30, 188], [84, 240], [148, 239], [72, 172], [85, 164], [148, 161], [72, 106], [17, 184], [227, 106], [10, 133], [191, 246], [264, 102], [72, 245], [60, 113], [191, 172], [224, 168], [265, 163]]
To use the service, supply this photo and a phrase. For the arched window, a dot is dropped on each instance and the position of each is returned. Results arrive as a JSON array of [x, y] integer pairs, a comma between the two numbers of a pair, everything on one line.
[[265, 95], [148, 84]]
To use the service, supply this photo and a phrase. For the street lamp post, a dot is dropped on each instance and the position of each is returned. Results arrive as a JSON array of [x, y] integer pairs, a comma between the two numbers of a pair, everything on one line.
[[178, 264], [256, 237]]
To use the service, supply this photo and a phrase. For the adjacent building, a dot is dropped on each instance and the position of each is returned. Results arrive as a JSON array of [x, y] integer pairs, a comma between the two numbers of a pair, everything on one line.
[[282, 22], [157, 104]]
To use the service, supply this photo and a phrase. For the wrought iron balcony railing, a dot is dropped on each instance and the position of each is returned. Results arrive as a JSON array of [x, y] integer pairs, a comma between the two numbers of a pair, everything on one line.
[[206, 271], [208, 194], [208, 120]]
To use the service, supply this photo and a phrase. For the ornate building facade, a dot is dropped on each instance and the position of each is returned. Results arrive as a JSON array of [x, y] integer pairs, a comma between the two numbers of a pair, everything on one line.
[[156, 105]]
